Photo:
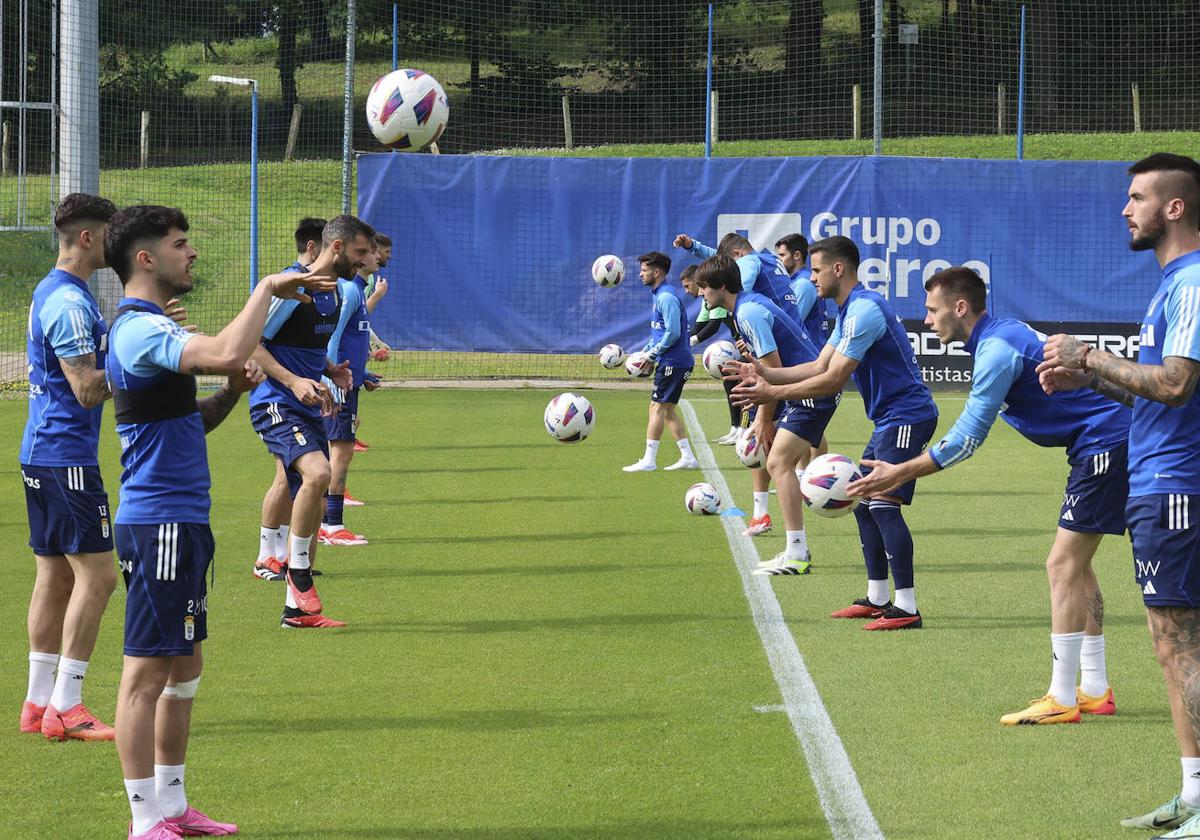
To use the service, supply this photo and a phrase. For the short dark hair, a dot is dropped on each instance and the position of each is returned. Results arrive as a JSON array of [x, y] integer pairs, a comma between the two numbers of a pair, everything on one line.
[[838, 248], [383, 240], [794, 242], [136, 224], [346, 228], [1186, 184], [81, 207], [656, 259], [688, 271], [719, 272], [308, 230], [733, 240], [960, 283]]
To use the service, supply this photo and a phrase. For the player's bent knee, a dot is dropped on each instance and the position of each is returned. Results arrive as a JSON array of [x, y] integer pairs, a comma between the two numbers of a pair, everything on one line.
[[182, 690]]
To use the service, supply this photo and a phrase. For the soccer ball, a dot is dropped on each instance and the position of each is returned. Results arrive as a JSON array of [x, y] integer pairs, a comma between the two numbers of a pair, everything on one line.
[[747, 449], [407, 110], [611, 356], [702, 499], [608, 271], [639, 365], [824, 485], [569, 418], [718, 354]]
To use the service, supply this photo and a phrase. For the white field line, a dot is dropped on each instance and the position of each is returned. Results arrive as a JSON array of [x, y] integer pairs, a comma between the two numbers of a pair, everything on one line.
[[846, 809]]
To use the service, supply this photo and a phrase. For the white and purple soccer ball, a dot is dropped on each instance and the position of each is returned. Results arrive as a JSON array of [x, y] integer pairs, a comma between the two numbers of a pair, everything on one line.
[[717, 355], [569, 418], [702, 499], [407, 110], [608, 271], [611, 356], [824, 484], [639, 365], [747, 449]]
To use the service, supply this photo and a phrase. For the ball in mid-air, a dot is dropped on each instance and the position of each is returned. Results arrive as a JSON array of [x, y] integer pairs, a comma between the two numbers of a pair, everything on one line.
[[569, 418], [407, 110], [608, 271], [611, 356], [702, 499], [824, 485], [718, 354]]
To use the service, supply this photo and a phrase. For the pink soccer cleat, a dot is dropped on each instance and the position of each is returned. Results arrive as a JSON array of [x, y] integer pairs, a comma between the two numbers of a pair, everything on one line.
[[350, 501], [195, 823], [31, 717], [75, 723], [340, 536], [161, 830]]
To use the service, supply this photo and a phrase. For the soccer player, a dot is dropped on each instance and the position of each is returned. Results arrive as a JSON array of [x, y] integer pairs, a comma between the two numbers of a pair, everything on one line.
[[775, 340], [162, 525], [1163, 214], [870, 344], [350, 343], [706, 326], [69, 528], [761, 272], [286, 408], [672, 355], [1095, 432], [792, 253]]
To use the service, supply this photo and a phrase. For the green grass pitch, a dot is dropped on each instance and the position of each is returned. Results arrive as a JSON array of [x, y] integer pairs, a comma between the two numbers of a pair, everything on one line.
[[541, 646]]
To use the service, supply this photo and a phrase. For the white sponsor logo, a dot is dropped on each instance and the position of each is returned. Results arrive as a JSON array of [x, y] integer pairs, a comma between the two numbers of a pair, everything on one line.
[[1068, 516], [1149, 589], [1147, 568], [32, 483]]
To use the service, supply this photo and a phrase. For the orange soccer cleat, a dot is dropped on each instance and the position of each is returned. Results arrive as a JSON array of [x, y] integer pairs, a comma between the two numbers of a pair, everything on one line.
[[76, 723]]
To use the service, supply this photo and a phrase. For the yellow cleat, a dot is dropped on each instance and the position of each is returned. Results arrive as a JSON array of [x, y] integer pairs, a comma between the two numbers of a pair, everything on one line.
[[1102, 705], [1043, 711]]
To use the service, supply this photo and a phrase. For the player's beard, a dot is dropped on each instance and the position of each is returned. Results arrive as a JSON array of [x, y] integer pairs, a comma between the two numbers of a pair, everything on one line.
[[1148, 235], [343, 267]]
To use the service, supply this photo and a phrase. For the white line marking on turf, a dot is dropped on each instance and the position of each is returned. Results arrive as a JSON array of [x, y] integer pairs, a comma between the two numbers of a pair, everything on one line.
[[766, 710], [846, 809]]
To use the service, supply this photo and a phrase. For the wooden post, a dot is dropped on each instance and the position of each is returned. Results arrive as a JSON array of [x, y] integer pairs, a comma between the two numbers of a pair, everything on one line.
[[1000, 108], [715, 120], [567, 133], [856, 105], [4, 164], [1137, 108], [293, 132], [144, 157]]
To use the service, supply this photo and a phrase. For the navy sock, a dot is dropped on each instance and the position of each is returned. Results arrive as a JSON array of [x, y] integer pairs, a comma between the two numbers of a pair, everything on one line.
[[897, 541], [872, 543], [333, 508]]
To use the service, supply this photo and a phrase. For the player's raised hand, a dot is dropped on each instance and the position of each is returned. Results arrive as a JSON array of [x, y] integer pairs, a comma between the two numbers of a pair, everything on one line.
[[381, 287], [287, 285], [683, 241], [737, 371], [882, 478], [753, 390], [178, 313], [342, 377], [1063, 351], [249, 376]]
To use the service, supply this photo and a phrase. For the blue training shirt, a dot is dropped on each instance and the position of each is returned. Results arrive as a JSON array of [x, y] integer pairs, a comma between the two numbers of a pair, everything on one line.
[[351, 340], [669, 328], [869, 331], [64, 322], [1163, 456], [762, 273], [1005, 382], [767, 328], [809, 307], [165, 460]]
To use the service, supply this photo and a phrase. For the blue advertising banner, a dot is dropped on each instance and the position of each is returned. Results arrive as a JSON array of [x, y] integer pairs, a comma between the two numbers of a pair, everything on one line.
[[494, 253]]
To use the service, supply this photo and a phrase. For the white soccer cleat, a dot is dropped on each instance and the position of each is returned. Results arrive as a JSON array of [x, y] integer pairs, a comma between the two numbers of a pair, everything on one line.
[[640, 466], [684, 464], [781, 564], [728, 439]]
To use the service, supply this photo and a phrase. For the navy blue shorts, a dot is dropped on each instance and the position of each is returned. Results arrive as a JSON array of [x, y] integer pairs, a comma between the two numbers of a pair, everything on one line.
[[897, 444], [68, 510], [166, 608], [289, 434], [1097, 490], [807, 419], [341, 425], [1166, 548], [668, 383]]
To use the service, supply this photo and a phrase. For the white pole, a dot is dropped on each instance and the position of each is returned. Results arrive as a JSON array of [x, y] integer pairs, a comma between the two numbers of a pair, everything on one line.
[[79, 105], [715, 120], [144, 156], [348, 106]]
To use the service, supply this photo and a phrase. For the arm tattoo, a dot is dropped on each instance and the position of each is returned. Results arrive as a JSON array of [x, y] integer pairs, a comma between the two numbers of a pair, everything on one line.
[[216, 408], [1171, 383], [1113, 392], [1176, 634], [1095, 608], [88, 360]]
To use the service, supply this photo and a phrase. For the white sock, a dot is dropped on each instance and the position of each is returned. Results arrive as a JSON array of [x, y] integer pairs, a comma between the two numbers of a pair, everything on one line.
[[906, 599], [651, 453], [1066, 647], [68, 684], [760, 504], [298, 557], [797, 545], [168, 785], [877, 592], [285, 533], [685, 449], [1093, 680], [41, 677], [1191, 781], [289, 600], [268, 542], [733, 430], [143, 803]]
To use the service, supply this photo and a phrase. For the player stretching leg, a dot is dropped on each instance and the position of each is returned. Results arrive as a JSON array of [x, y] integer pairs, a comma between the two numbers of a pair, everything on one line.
[[706, 326], [64, 493], [162, 525], [1163, 214], [775, 340], [669, 349], [277, 502], [1094, 431], [350, 344], [870, 344]]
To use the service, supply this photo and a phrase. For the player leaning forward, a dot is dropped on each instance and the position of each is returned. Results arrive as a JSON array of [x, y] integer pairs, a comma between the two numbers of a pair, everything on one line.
[[1163, 214], [1093, 429], [869, 342], [162, 525]]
